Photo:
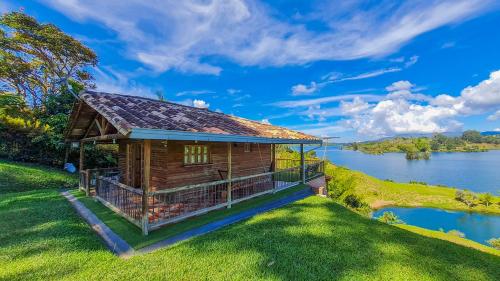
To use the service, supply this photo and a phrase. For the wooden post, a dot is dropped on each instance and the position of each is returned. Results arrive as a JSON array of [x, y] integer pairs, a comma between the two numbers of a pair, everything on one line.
[[273, 165], [302, 164], [229, 173], [127, 164], [82, 154], [146, 187]]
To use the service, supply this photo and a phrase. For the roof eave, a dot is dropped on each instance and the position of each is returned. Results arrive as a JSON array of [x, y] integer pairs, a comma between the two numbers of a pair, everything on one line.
[[158, 134]]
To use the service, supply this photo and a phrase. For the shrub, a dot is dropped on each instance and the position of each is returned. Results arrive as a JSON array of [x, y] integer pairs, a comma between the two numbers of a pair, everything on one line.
[[467, 197], [456, 233], [486, 199], [390, 218], [353, 201], [495, 243], [418, 182]]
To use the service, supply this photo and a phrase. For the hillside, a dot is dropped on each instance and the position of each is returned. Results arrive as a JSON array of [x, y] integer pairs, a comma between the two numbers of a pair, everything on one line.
[[314, 239]]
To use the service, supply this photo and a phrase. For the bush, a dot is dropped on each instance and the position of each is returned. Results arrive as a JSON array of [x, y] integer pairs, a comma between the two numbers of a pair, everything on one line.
[[467, 197], [418, 182], [486, 199], [390, 218], [495, 243], [353, 201], [456, 233], [342, 184]]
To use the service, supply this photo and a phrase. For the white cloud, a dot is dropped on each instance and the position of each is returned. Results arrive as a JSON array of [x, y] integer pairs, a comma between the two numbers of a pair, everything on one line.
[[112, 81], [355, 107], [301, 89], [494, 116], [180, 35], [323, 100], [194, 93], [200, 104], [413, 60], [399, 116], [233, 91], [496, 130], [265, 121], [484, 96], [400, 86]]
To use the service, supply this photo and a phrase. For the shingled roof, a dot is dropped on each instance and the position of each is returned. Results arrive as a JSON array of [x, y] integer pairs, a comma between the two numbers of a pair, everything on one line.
[[139, 117]]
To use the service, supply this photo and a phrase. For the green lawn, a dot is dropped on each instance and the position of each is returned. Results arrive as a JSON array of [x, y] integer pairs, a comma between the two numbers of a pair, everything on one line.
[[17, 177], [133, 235], [313, 239]]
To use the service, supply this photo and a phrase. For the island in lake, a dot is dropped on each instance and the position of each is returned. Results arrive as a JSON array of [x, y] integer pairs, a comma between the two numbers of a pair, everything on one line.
[[421, 147]]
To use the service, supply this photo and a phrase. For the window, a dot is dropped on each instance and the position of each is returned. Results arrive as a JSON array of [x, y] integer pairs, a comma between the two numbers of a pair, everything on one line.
[[248, 147], [195, 154]]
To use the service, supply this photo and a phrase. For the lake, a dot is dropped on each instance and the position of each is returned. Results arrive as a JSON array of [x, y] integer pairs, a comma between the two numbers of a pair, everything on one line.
[[476, 171], [476, 227]]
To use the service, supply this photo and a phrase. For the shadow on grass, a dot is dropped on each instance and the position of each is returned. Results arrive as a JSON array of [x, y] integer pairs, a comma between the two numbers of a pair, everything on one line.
[[317, 239]]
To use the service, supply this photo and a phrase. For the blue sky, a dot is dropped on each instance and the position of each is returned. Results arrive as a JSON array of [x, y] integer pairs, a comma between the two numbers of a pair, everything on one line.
[[355, 69]]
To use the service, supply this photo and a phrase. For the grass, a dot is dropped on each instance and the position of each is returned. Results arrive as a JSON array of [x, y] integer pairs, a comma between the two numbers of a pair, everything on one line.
[[43, 238], [380, 193], [15, 177], [133, 235]]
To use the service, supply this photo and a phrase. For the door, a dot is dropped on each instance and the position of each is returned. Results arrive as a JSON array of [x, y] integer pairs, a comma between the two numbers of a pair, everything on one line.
[[136, 165]]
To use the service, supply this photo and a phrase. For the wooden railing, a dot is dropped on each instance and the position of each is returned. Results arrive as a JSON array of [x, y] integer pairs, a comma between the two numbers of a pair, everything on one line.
[[88, 178], [175, 204], [123, 199]]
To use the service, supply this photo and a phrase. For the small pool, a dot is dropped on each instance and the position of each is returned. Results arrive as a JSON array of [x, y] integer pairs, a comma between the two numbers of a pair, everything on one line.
[[475, 226]]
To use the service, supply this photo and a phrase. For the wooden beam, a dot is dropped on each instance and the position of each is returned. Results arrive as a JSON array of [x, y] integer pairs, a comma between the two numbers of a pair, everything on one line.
[[73, 121], [229, 173], [302, 164], [99, 127], [103, 138], [127, 164], [82, 154], [146, 187]]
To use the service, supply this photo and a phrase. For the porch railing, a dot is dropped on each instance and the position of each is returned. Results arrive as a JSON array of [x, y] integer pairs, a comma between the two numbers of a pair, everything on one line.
[[88, 178], [123, 199], [175, 204]]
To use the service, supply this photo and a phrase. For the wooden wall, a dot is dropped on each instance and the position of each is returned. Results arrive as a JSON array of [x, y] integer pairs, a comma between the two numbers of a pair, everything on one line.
[[168, 169]]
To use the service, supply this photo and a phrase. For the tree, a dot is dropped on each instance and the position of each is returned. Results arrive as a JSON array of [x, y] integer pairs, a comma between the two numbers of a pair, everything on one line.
[[495, 243], [37, 59], [390, 218], [486, 199], [472, 136], [467, 197]]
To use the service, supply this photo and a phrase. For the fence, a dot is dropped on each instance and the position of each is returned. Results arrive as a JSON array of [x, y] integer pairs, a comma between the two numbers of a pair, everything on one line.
[[88, 178], [175, 204], [121, 198]]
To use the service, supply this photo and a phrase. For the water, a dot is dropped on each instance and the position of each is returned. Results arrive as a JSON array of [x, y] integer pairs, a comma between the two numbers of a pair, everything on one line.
[[476, 171], [476, 227]]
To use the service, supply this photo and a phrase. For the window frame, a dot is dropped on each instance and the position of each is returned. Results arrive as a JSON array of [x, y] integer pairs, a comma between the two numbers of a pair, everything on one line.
[[196, 154]]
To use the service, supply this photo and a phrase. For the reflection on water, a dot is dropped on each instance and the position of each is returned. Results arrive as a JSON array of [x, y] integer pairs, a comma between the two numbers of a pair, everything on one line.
[[477, 227]]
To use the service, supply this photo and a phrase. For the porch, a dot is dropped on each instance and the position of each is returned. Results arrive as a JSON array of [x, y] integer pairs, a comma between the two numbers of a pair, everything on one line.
[[150, 210]]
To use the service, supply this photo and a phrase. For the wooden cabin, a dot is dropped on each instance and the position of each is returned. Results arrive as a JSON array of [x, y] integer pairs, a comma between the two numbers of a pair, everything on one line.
[[177, 161]]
